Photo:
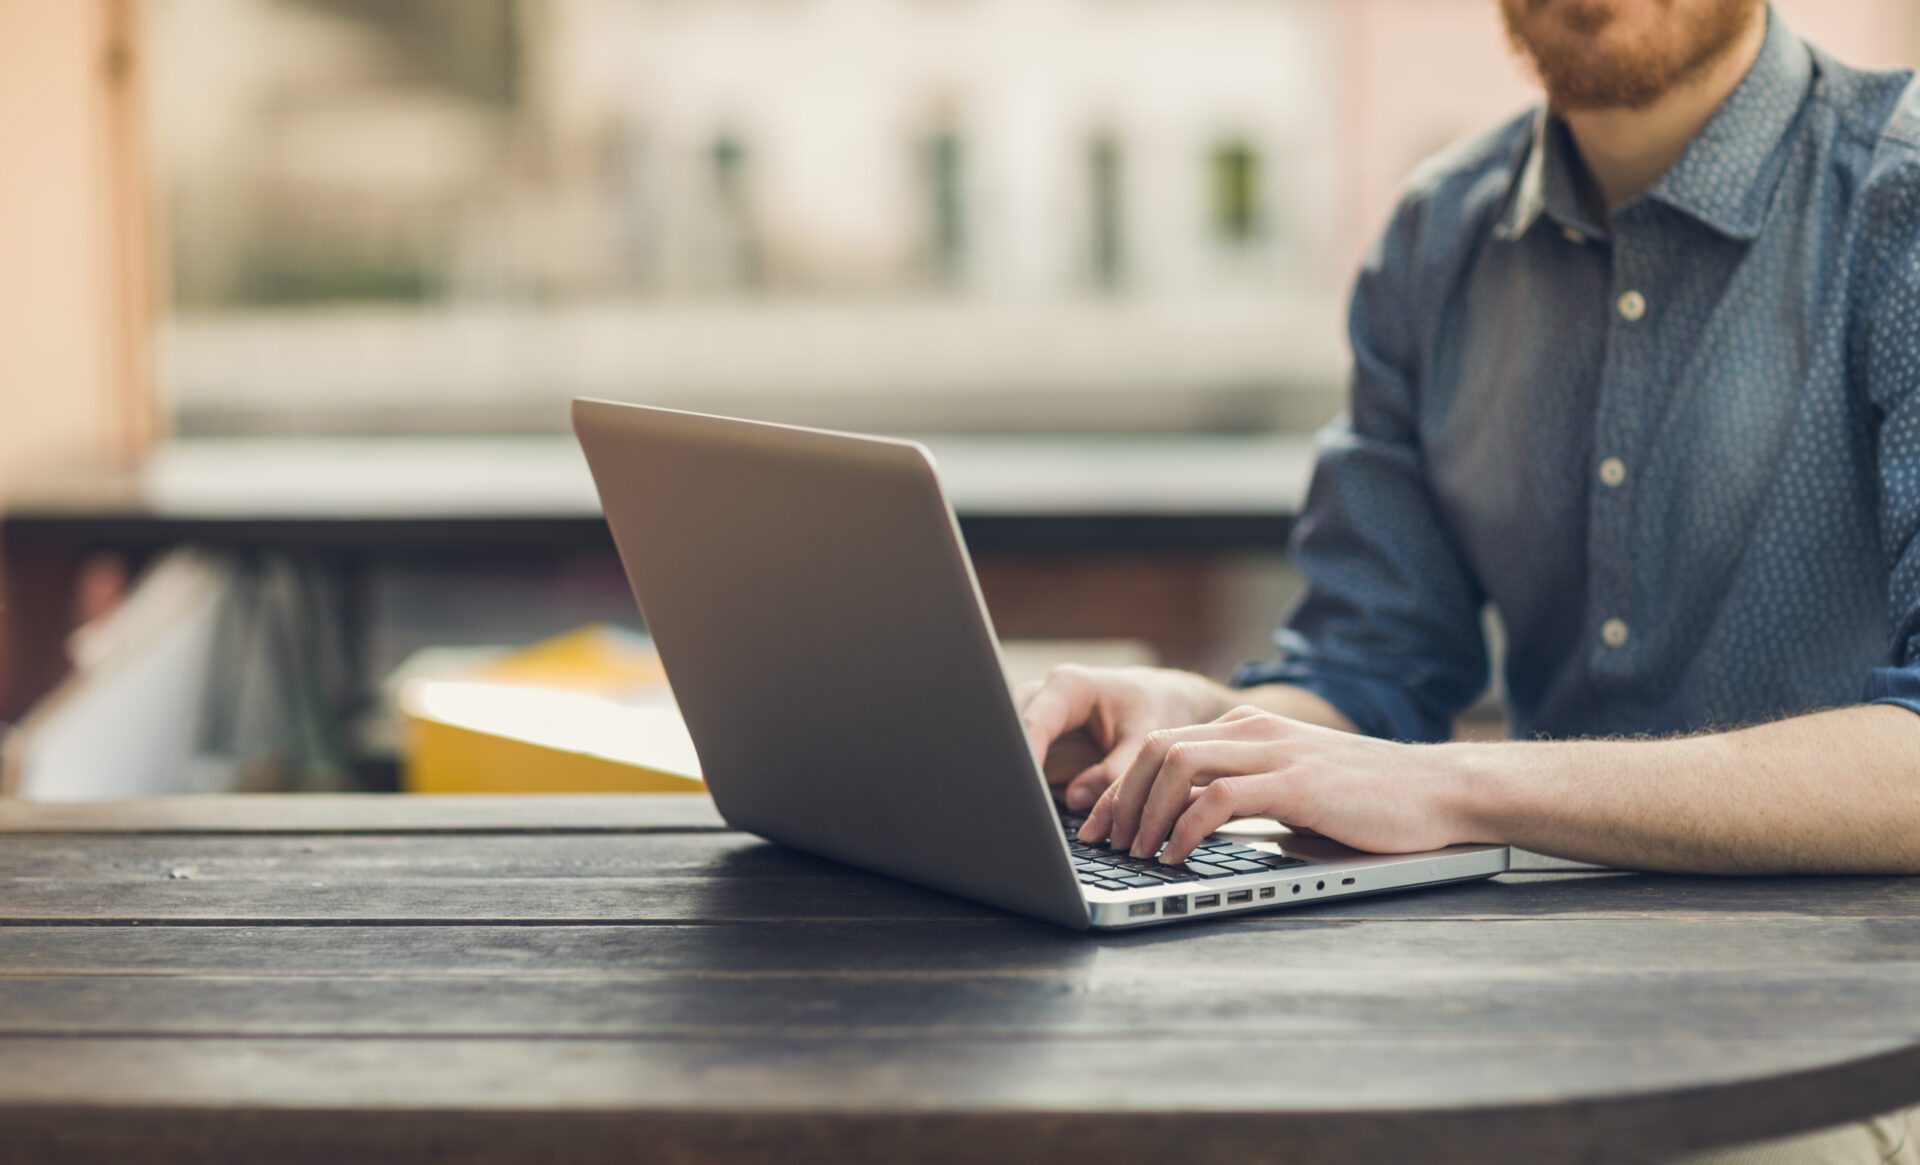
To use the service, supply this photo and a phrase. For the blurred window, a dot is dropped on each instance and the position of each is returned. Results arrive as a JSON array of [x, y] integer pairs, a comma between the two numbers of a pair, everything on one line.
[[1236, 194], [946, 205], [1106, 213]]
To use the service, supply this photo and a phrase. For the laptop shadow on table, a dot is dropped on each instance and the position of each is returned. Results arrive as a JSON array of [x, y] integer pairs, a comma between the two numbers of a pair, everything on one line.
[[766, 881]]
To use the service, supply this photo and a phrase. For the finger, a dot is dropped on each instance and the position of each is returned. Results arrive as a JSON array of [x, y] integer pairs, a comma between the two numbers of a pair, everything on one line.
[[1072, 753], [1084, 790], [1191, 765], [1097, 778], [1025, 691], [1128, 797], [1136, 784], [1241, 712], [1099, 822], [1178, 774], [1064, 702], [1212, 807]]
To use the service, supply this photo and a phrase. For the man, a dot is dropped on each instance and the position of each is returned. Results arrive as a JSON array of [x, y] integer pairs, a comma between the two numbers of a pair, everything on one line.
[[1642, 371]]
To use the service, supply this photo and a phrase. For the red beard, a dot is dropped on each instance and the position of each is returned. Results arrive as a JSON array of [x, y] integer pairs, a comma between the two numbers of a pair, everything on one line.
[[1581, 66]]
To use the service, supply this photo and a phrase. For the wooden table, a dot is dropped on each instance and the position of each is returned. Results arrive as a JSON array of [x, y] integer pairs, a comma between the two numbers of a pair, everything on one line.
[[623, 979]]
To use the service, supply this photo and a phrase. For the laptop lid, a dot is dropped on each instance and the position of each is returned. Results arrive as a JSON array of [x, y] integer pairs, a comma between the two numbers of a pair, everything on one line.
[[824, 636]]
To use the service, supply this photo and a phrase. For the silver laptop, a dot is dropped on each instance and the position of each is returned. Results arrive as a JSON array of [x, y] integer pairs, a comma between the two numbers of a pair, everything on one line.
[[824, 636]]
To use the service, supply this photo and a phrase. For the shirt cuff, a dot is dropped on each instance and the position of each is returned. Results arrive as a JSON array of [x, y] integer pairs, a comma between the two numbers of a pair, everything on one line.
[[1894, 685]]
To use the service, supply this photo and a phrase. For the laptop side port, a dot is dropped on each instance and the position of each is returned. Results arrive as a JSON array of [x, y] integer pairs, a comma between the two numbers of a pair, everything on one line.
[[1267, 891], [1239, 896], [1202, 901], [1173, 905], [1346, 881], [1139, 909]]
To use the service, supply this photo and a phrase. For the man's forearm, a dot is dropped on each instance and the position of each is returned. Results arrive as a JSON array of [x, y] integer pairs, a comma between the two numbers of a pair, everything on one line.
[[1289, 701], [1830, 792]]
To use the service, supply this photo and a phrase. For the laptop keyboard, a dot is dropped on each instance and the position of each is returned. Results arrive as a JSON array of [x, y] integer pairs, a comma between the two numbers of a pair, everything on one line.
[[1112, 869]]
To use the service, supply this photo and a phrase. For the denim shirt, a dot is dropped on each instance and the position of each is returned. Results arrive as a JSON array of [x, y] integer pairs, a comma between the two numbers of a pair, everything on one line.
[[1678, 453]]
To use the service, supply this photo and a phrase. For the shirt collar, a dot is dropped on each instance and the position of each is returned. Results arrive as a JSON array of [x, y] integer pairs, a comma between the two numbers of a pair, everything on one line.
[[1545, 183], [1724, 178]]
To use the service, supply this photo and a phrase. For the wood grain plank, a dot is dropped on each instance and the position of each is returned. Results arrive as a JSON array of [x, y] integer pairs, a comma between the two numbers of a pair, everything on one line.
[[628, 901], [379, 814], [83, 857], [367, 813], [1270, 945], [530, 878], [958, 1101], [1749, 1006]]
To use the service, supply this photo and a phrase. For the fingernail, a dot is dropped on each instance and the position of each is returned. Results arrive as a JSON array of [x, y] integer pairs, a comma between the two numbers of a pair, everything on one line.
[[1079, 798]]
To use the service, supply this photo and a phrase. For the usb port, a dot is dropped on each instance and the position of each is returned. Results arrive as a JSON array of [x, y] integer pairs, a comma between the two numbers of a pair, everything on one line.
[[1173, 905], [1266, 891], [1139, 908], [1202, 901], [1239, 896]]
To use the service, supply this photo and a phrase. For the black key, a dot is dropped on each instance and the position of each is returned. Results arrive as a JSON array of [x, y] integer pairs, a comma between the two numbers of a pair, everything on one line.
[[1209, 870], [1140, 880], [1088, 879], [1278, 861], [1240, 867], [1169, 874], [1110, 885]]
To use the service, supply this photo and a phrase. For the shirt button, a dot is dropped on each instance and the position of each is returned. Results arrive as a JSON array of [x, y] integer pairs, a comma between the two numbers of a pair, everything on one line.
[[1613, 471], [1573, 236], [1613, 633], [1632, 305]]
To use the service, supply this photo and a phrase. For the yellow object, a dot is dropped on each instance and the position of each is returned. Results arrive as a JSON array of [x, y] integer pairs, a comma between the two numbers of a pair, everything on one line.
[[588, 712], [592, 659]]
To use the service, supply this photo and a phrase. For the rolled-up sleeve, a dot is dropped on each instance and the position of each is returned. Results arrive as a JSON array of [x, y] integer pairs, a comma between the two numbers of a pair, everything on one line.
[[1388, 630]]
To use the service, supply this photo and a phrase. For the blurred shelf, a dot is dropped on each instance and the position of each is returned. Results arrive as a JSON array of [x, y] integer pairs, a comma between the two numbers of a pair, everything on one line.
[[395, 497]]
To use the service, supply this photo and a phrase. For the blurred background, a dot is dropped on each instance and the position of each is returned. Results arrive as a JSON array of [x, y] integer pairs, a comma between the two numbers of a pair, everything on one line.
[[451, 215], [300, 262]]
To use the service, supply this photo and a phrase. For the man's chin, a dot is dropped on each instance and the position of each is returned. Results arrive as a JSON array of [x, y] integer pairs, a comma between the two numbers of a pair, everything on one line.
[[1590, 55]]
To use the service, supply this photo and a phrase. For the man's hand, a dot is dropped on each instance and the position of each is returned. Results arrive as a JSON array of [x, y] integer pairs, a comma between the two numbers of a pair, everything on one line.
[[1085, 725], [1184, 783]]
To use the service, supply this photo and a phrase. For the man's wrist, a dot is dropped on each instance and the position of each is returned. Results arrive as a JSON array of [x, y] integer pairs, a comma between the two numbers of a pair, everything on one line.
[[1295, 703], [1541, 794], [1474, 789]]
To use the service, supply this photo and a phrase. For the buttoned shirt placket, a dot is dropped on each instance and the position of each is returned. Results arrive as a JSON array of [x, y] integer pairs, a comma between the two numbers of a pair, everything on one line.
[[1628, 374]]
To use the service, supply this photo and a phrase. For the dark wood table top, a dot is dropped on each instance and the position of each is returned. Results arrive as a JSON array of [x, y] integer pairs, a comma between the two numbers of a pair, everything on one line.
[[622, 979]]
